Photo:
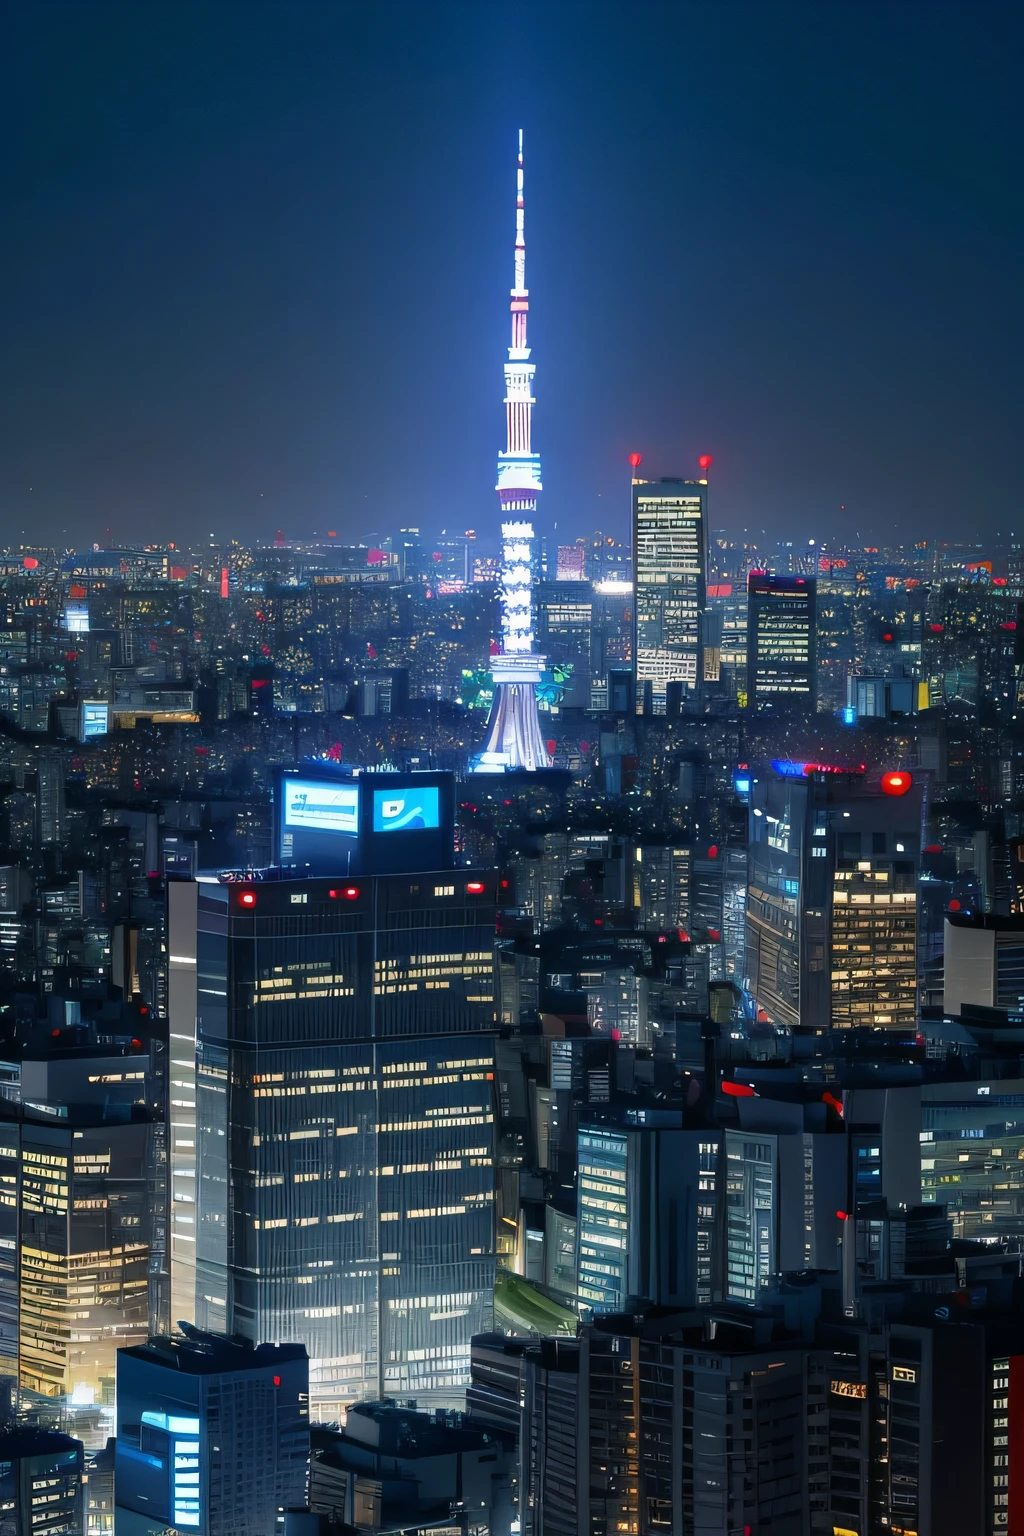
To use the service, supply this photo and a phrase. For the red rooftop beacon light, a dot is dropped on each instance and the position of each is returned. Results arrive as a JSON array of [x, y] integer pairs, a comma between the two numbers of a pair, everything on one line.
[[896, 783], [635, 460], [705, 461], [247, 899]]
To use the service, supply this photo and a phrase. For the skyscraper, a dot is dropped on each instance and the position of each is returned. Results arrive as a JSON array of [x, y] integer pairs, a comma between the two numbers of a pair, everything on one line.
[[832, 897], [670, 558], [781, 654], [513, 730], [344, 1125]]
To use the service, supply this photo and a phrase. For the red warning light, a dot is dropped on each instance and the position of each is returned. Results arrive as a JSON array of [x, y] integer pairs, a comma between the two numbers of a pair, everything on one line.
[[277, 1381], [476, 887], [635, 460], [713, 851], [30, 563], [714, 934], [705, 461], [345, 893], [136, 1045], [739, 1091], [896, 783], [842, 1215], [954, 905], [247, 899]]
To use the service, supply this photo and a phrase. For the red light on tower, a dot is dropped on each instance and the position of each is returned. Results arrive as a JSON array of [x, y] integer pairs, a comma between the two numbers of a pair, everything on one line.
[[224, 588], [896, 783], [705, 461], [247, 899], [635, 460], [30, 563]]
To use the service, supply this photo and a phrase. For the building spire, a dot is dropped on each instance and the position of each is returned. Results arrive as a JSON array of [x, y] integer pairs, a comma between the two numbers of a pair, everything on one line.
[[520, 291]]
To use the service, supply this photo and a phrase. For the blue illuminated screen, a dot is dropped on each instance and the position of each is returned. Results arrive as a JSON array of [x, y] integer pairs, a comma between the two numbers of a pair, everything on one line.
[[406, 810], [321, 807], [95, 720]]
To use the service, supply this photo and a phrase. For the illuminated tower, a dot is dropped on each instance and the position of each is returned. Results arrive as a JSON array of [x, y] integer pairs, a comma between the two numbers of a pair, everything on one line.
[[513, 730]]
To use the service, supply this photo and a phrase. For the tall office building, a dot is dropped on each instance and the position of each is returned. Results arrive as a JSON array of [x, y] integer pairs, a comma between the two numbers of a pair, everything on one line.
[[670, 568], [212, 1435], [513, 729], [343, 1125], [781, 651], [565, 615], [82, 1223], [832, 897], [646, 1214]]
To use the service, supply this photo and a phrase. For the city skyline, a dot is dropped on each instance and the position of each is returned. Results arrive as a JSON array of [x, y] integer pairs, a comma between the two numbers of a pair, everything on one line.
[[511, 983], [180, 358]]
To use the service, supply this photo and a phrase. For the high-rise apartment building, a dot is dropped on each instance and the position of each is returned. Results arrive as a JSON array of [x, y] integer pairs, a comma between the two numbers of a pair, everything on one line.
[[781, 651], [670, 569], [343, 1124]]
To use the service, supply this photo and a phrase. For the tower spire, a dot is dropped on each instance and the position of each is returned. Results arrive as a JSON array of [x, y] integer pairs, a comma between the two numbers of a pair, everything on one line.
[[520, 291], [513, 729]]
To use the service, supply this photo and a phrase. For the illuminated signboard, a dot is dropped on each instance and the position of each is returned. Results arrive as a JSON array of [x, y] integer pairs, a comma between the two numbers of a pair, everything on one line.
[[848, 1389], [319, 807], [76, 619], [903, 1373], [790, 770], [406, 810], [94, 719]]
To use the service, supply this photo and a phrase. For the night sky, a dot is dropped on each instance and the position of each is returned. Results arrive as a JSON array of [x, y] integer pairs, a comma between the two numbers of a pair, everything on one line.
[[256, 260]]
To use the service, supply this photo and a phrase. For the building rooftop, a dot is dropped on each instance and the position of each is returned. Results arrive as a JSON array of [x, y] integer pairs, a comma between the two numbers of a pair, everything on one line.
[[206, 1354]]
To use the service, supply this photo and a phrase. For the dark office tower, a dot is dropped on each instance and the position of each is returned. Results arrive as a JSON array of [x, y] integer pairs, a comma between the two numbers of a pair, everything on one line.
[[781, 650], [646, 1215], [40, 1483], [212, 1435], [832, 897], [564, 635], [670, 566], [344, 1122]]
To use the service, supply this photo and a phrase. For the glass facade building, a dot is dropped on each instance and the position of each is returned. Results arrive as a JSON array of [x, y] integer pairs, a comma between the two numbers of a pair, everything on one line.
[[344, 1090], [781, 652], [670, 561], [212, 1436]]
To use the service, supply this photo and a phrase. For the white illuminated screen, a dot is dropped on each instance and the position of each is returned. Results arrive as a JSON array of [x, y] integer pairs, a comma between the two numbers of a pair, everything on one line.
[[321, 807]]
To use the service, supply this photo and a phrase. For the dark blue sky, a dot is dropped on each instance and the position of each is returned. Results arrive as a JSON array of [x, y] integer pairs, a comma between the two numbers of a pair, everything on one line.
[[256, 261]]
